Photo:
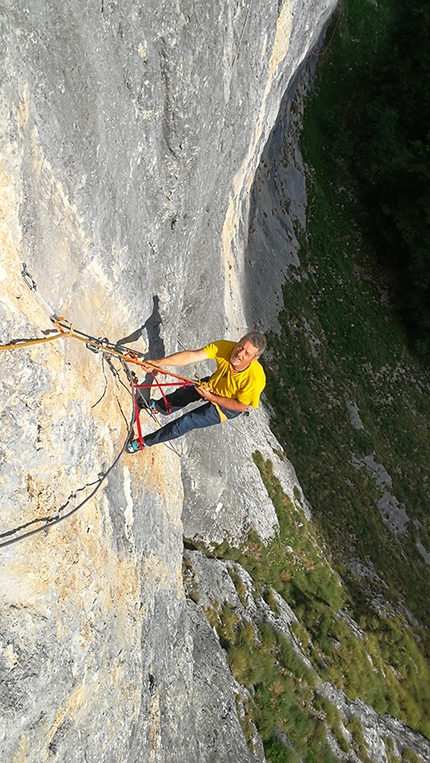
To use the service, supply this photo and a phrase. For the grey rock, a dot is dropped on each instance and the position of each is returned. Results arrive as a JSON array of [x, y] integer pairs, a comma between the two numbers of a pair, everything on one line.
[[216, 698], [277, 213], [224, 496], [354, 415], [213, 580], [378, 729], [393, 513], [423, 551]]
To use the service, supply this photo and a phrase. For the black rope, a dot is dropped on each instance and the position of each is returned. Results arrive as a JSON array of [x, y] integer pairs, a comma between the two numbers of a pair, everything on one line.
[[57, 520], [106, 384], [50, 522]]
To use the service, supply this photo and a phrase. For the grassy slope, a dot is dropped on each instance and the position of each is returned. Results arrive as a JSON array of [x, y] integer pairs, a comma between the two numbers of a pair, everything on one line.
[[362, 358]]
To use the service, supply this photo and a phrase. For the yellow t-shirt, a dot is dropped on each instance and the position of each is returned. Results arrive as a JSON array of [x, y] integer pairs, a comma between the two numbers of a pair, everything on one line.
[[245, 386]]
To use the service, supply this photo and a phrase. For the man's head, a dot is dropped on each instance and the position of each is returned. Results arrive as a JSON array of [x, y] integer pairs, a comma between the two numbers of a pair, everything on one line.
[[249, 348]]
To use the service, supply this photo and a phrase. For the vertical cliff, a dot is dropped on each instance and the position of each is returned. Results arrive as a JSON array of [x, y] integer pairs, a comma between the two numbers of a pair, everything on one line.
[[130, 136]]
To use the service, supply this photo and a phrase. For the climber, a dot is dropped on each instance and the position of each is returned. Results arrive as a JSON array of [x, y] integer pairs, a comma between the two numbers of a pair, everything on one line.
[[236, 384]]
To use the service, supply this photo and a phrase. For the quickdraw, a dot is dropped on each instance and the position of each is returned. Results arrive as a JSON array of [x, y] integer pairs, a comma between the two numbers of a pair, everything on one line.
[[31, 283], [126, 354], [66, 330]]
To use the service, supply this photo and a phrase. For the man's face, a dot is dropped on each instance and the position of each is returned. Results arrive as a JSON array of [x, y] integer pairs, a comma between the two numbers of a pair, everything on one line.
[[243, 355]]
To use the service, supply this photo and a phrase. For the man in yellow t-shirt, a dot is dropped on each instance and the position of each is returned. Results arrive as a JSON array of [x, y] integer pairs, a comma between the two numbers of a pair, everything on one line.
[[236, 384]]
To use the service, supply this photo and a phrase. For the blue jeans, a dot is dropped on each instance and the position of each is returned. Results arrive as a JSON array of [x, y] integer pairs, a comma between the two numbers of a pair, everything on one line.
[[205, 415]]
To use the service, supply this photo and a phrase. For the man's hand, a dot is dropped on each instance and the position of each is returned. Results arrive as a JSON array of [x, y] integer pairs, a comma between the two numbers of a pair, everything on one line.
[[225, 402], [149, 365], [206, 393]]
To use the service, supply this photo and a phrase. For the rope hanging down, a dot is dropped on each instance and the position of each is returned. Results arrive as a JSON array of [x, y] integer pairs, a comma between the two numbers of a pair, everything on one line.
[[49, 522], [45, 523], [318, 55], [126, 355]]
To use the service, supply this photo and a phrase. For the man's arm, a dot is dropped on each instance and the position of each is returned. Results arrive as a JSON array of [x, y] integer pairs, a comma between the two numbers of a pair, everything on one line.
[[226, 402], [183, 358]]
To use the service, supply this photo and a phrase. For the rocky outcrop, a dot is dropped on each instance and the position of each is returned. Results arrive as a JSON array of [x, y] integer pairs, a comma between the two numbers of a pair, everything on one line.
[[212, 583], [130, 136], [383, 736]]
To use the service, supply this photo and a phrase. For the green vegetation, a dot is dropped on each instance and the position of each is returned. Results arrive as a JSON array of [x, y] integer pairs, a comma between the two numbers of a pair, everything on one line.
[[362, 362], [282, 689], [355, 728], [362, 359], [390, 119], [375, 131], [239, 586], [410, 757], [380, 661], [356, 392]]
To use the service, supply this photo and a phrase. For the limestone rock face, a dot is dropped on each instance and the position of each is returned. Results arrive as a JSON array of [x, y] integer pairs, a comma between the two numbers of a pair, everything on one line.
[[129, 139]]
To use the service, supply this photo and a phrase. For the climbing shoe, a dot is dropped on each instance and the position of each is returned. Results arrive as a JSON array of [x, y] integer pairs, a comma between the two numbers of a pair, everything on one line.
[[133, 446], [147, 405], [165, 409]]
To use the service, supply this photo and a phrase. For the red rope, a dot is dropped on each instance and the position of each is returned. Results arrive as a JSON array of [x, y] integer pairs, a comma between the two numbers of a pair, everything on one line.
[[166, 402], [160, 385], [136, 416], [317, 55]]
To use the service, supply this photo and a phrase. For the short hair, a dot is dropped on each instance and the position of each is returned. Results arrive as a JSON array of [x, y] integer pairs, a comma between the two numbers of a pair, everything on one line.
[[256, 339]]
